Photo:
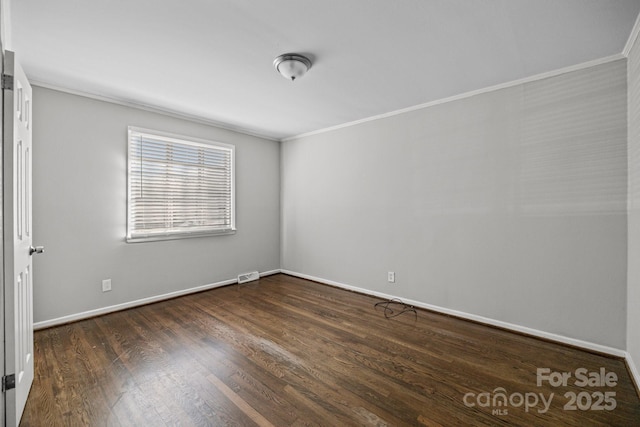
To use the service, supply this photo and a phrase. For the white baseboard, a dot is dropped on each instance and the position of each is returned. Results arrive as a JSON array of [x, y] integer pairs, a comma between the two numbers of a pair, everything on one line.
[[505, 325], [118, 307], [270, 272], [634, 371], [480, 319]]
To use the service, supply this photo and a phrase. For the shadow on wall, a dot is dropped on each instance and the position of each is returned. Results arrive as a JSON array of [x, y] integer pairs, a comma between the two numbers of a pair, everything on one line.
[[574, 163]]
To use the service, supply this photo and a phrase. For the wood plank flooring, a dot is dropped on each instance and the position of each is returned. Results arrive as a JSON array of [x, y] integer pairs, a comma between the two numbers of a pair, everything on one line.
[[288, 352]]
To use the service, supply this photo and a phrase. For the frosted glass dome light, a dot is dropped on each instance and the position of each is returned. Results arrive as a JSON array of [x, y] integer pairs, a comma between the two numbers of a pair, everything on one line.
[[292, 66]]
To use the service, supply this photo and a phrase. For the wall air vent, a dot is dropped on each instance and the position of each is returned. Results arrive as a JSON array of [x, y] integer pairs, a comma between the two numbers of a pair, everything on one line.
[[248, 277]]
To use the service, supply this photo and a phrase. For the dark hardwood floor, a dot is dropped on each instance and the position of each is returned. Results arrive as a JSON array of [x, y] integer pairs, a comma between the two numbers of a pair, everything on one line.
[[287, 352]]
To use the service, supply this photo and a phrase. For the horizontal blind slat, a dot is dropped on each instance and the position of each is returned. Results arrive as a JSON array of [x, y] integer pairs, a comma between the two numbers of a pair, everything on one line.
[[178, 186]]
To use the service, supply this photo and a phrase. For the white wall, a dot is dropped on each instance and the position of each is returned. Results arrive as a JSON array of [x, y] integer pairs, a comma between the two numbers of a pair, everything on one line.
[[79, 206], [633, 291], [5, 25], [509, 205]]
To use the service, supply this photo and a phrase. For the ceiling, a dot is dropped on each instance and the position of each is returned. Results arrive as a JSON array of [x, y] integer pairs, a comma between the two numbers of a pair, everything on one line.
[[212, 59]]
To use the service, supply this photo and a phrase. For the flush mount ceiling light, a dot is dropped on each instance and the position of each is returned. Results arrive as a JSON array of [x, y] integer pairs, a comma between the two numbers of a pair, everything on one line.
[[291, 65]]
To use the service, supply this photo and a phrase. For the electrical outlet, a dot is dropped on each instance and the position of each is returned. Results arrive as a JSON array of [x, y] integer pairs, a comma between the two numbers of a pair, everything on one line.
[[106, 285], [391, 277]]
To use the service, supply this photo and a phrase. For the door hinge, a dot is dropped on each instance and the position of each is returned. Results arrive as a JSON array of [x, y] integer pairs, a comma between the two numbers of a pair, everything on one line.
[[8, 382], [7, 82]]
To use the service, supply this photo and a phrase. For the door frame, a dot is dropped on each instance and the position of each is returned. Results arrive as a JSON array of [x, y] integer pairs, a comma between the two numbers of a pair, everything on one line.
[[5, 43], [3, 371]]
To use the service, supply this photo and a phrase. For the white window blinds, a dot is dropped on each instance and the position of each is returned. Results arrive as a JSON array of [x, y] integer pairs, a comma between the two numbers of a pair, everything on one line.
[[178, 186]]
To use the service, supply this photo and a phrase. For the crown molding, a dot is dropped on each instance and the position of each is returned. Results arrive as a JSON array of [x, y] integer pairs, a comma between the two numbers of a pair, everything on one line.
[[489, 89], [226, 126], [632, 38], [153, 109]]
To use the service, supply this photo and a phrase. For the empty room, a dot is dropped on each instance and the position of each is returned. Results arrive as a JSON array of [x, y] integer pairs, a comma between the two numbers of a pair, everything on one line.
[[320, 213]]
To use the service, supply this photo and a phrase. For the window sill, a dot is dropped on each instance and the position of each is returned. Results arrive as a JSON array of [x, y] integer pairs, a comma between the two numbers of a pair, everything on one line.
[[178, 236]]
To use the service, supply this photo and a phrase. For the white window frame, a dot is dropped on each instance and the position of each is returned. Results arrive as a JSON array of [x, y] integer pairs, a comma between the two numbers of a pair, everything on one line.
[[168, 232]]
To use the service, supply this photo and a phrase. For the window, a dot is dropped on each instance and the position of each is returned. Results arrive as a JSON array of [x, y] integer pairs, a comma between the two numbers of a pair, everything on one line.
[[178, 187]]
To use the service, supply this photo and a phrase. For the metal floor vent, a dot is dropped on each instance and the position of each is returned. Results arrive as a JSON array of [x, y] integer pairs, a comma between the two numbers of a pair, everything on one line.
[[248, 277]]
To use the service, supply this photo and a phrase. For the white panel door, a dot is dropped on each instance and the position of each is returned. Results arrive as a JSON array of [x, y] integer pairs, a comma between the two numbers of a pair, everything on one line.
[[18, 249]]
